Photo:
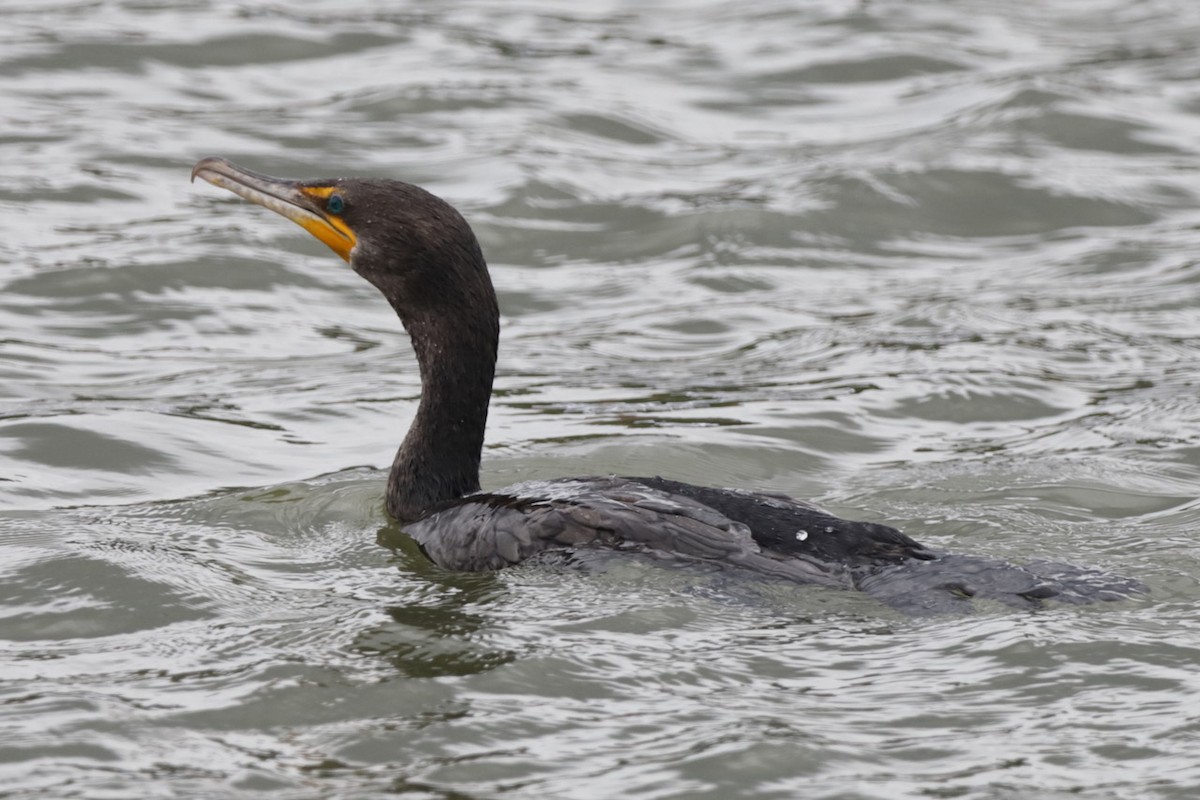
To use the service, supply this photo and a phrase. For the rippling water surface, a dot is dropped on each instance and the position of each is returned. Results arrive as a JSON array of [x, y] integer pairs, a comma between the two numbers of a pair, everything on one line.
[[929, 263]]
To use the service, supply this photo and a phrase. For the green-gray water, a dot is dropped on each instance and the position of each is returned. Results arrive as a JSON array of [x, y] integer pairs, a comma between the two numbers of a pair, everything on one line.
[[928, 263]]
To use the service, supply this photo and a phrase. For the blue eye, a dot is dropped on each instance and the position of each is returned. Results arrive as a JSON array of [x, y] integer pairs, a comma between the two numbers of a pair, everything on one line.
[[335, 204]]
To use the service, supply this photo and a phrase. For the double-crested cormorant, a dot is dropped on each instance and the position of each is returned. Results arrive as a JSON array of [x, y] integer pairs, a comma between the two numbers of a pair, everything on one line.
[[421, 254]]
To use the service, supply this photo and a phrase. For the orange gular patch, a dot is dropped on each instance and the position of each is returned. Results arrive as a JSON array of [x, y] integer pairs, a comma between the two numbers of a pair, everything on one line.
[[328, 227]]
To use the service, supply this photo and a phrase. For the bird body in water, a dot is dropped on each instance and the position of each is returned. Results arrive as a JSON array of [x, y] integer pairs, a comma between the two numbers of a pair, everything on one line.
[[421, 254]]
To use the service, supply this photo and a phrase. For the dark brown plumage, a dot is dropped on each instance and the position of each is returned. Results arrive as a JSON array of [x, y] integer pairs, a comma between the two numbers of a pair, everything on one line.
[[424, 259]]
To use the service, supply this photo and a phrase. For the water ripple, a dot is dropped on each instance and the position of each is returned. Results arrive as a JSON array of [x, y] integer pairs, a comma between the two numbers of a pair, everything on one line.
[[930, 263]]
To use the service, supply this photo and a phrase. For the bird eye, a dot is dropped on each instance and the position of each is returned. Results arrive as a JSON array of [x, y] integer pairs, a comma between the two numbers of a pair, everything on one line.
[[335, 204]]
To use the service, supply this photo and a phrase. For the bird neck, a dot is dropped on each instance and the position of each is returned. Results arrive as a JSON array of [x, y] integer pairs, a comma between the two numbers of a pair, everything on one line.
[[439, 458]]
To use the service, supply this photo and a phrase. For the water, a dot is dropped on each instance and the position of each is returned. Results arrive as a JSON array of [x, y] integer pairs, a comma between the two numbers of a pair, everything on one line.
[[927, 263]]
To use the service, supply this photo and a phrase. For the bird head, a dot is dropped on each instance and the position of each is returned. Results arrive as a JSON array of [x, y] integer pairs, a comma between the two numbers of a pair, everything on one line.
[[414, 247]]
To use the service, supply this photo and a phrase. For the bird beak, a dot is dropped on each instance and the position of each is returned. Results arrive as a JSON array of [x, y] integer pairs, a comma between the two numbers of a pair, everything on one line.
[[302, 203]]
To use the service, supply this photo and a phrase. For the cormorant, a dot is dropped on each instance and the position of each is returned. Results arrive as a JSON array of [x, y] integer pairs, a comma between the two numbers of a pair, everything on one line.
[[421, 254]]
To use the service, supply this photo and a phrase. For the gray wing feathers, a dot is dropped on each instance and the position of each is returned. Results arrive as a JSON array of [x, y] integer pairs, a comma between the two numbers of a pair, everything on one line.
[[492, 531], [496, 531]]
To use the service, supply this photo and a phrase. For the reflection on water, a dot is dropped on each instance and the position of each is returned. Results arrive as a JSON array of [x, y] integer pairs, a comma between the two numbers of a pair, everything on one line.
[[928, 263]]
